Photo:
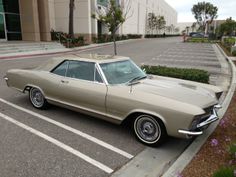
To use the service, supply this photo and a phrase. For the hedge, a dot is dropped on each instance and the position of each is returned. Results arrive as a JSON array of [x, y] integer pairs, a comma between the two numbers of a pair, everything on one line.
[[160, 35], [187, 74], [102, 38]]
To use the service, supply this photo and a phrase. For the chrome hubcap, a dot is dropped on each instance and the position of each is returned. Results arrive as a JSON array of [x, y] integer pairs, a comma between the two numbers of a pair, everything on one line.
[[147, 129], [37, 97]]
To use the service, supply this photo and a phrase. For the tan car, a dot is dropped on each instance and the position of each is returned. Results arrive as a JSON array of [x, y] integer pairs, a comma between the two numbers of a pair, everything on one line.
[[115, 89]]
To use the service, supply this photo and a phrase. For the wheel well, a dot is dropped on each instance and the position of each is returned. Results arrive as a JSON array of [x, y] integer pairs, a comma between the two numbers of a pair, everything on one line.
[[27, 88], [130, 118]]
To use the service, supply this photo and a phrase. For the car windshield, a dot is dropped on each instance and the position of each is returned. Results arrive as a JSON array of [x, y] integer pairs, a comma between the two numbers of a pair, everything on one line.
[[121, 72]]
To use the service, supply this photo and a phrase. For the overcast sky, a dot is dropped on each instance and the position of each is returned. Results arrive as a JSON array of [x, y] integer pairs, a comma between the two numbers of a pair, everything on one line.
[[226, 8]]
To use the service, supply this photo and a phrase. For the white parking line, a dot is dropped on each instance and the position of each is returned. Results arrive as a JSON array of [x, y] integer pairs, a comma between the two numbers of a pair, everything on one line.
[[59, 144], [84, 135]]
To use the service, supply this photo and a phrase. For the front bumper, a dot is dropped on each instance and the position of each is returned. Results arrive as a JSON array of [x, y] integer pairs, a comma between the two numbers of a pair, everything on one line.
[[212, 118]]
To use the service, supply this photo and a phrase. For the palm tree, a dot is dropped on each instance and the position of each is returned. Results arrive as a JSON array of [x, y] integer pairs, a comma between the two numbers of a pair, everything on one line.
[[71, 17]]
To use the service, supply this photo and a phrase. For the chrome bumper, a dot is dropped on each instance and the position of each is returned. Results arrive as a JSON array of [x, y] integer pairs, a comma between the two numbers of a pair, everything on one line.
[[5, 78], [213, 117]]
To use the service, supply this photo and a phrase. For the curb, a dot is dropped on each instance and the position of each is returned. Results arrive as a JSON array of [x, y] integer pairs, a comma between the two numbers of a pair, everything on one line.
[[70, 50], [184, 159]]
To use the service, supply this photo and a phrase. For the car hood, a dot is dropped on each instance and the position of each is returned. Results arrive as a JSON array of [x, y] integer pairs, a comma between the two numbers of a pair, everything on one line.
[[178, 90]]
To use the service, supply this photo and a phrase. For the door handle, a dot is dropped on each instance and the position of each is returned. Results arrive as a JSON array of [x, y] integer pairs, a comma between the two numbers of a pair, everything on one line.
[[64, 82]]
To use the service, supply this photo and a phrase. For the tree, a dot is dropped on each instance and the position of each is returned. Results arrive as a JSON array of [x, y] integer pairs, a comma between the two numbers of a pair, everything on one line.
[[204, 13], [194, 26], [71, 17], [187, 30], [228, 27], [176, 30], [152, 21], [160, 23], [113, 16]]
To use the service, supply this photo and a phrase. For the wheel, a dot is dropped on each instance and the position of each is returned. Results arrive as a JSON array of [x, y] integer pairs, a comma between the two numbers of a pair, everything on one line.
[[149, 130], [37, 99]]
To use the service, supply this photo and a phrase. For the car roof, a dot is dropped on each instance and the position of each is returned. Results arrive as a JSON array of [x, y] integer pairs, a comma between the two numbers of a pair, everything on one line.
[[53, 62], [92, 57]]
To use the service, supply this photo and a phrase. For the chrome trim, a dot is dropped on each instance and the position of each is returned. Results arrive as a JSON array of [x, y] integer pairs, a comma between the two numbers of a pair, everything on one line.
[[212, 118], [191, 133], [102, 74]]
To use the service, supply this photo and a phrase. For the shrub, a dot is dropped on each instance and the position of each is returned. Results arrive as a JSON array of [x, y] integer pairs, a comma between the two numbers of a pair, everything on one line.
[[160, 35], [234, 53], [134, 36], [230, 41], [187, 74], [224, 172], [232, 150], [199, 40]]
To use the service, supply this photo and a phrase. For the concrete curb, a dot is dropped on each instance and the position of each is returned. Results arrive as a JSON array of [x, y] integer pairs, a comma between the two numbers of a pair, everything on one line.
[[185, 158], [76, 49]]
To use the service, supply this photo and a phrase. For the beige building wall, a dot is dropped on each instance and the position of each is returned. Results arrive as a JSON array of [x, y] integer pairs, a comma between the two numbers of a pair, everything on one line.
[[138, 14], [44, 20], [39, 17], [29, 20], [82, 17]]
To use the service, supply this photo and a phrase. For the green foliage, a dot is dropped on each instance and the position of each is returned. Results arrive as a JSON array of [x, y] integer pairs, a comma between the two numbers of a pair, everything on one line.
[[187, 74], [227, 28], [156, 22], [230, 41], [113, 17], [66, 39], [234, 53], [159, 35], [232, 150], [201, 40], [224, 172], [108, 38], [203, 12]]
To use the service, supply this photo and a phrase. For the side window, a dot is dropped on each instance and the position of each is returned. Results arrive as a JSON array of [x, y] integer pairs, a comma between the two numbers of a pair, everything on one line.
[[81, 70], [61, 69]]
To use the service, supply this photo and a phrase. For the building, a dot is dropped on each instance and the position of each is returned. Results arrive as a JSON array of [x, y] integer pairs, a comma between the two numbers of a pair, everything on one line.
[[32, 20], [138, 14]]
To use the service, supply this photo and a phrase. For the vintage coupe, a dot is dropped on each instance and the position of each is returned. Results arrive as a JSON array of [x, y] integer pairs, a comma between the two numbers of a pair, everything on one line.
[[115, 89]]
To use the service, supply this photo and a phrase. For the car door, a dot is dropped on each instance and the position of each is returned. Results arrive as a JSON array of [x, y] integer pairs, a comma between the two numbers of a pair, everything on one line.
[[83, 87]]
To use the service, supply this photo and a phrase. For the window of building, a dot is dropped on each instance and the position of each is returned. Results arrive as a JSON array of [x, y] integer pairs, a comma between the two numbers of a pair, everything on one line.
[[1, 6], [11, 6]]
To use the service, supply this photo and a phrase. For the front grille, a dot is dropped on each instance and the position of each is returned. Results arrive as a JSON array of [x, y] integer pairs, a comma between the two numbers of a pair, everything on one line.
[[203, 117]]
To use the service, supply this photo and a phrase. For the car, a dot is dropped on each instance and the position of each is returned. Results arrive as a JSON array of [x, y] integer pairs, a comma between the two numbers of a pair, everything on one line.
[[115, 89]]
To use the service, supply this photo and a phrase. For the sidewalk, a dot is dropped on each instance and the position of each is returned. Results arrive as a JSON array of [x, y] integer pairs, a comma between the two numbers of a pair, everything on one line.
[[60, 51]]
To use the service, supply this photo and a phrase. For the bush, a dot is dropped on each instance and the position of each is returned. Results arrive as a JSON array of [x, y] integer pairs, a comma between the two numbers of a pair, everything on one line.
[[160, 35], [230, 41], [234, 53], [187, 74], [232, 150], [224, 172], [198, 40], [134, 36]]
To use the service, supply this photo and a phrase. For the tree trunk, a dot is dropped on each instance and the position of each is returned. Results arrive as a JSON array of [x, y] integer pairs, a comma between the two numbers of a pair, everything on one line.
[[114, 42], [71, 18]]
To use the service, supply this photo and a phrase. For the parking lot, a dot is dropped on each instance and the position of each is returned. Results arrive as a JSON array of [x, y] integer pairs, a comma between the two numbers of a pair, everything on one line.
[[59, 142]]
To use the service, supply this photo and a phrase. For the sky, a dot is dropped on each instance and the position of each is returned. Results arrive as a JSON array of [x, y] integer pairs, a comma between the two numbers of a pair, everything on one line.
[[226, 8]]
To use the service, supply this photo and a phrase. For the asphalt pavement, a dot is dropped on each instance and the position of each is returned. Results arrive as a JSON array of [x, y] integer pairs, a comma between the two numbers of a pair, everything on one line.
[[59, 142]]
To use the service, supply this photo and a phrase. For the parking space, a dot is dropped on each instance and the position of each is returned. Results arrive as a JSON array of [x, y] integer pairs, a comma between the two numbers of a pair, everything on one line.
[[59, 142]]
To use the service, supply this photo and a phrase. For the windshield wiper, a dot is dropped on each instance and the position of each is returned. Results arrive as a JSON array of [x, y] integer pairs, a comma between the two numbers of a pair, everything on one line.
[[136, 79]]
